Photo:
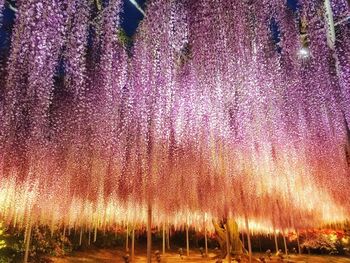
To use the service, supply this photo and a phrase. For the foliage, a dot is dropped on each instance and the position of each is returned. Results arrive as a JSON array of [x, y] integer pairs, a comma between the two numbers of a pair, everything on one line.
[[11, 250], [42, 245], [346, 240], [46, 243], [123, 38], [2, 241], [326, 242]]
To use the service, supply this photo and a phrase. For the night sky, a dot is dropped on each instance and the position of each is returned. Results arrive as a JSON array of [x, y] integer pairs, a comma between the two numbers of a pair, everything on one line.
[[131, 16]]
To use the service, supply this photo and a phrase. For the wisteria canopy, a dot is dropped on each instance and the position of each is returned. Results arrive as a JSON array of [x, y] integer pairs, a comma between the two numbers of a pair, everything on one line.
[[224, 108]]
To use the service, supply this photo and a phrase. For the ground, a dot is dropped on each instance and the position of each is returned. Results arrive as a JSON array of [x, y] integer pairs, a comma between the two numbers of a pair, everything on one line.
[[114, 256]]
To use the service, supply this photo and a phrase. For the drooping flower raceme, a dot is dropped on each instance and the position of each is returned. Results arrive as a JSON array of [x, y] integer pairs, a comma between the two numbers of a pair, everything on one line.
[[224, 108]]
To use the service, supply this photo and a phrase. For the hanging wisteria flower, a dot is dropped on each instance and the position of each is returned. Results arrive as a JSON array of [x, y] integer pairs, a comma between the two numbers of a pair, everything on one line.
[[224, 108]]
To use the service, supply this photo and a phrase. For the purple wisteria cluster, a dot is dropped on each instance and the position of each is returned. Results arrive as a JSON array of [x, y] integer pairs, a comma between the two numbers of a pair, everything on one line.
[[227, 107]]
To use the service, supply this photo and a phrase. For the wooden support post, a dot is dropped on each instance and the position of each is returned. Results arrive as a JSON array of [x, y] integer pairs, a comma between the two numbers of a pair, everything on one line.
[[64, 236], [89, 240], [27, 238], [285, 244], [248, 238], [206, 241], [81, 236], [95, 233], [163, 238], [260, 249], [228, 244], [243, 240], [127, 238], [276, 242], [298, 241], [149, 233], [133, 245], [306, 236], [64, 231], [52, 227], [15, 220], [168, 236], [187, 241]]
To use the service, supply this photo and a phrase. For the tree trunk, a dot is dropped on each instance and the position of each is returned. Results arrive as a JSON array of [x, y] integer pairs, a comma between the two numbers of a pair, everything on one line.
[[235, 244]]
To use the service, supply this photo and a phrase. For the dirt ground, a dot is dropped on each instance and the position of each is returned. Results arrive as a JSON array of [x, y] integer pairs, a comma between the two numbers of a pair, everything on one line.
[[114, 256]]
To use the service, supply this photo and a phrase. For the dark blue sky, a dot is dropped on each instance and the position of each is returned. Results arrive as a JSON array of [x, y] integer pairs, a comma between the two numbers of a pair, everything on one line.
[[131, 16]]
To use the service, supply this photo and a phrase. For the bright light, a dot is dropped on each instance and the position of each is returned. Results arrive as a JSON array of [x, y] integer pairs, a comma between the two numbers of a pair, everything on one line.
[[304, 53]]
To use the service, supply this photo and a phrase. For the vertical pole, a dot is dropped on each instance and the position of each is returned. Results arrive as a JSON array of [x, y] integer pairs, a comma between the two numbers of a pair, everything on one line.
[[248, 238], [127, 238], [298, 240], [243, 240], [205, 235], [163, 238], [187, 241], [27, 239], [149, 233], [228, 244], [306, 236], [168, 235], [89, 240], [276, 242], [133, 245], [81, 236], [95, 233], [64, 237], [206, 241], [285, 244], [15, 220], [260, 243], [52, 227]]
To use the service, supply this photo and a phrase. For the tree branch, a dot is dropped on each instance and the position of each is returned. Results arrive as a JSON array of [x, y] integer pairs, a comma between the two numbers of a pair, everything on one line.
[[14, 9], [138, 7]]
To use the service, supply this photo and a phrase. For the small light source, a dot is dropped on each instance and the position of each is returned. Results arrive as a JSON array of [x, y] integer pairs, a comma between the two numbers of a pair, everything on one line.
[[304, 53]]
